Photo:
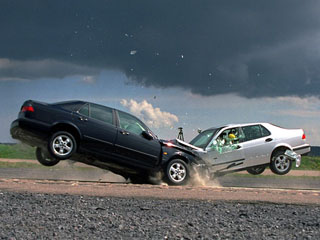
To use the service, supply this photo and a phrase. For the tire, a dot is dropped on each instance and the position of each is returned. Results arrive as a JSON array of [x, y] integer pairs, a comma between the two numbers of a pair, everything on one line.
[[136, 179], [280, 163], [177, 172], [62, 145], [44, 158], [256, 170]]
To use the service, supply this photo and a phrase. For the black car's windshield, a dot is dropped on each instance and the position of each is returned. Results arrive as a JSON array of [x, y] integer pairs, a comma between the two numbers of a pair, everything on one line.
[[203, 139]]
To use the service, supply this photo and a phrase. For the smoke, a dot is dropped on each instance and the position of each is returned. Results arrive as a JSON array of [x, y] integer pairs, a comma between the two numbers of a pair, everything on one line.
[[152, 116], [203, 179]]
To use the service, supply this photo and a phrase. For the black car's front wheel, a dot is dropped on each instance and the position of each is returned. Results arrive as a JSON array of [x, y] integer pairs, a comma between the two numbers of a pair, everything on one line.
[[62, 145], [44, 158], [177, 172]]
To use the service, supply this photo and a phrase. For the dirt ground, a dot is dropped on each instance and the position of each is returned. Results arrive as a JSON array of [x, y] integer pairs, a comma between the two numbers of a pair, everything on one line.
[[162, 191], [77, 164], [209, 193]]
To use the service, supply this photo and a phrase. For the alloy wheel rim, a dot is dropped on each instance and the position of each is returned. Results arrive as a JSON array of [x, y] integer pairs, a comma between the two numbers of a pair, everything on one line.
[[62, 145], [177, 172], [282, 163]]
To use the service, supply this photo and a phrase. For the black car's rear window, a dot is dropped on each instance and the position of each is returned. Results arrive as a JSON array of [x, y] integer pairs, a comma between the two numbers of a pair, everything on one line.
[[69, 106]]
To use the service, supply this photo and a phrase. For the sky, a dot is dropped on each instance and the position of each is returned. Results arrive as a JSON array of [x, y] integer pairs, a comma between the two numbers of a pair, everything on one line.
[[171, 63]]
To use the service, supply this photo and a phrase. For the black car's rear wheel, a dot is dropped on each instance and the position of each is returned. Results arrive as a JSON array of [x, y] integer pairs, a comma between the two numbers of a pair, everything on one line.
[[280, 163], [177, 172], [256, 170], [45, 159], [62, 145]]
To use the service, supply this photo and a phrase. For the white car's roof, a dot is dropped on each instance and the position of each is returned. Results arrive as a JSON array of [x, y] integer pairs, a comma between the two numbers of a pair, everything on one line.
[[239, 125]]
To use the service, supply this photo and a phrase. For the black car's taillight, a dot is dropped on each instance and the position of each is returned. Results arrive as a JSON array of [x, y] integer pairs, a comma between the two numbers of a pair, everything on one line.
[[27, 109]]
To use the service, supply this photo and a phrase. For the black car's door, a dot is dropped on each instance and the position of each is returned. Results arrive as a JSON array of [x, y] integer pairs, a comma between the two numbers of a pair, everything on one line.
[[98, 129], [132, 146]]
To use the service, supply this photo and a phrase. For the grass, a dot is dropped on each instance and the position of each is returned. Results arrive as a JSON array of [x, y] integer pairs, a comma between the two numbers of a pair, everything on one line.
[[18, 151], [308, 163], [20, 165], [22, 151], [37, 165]]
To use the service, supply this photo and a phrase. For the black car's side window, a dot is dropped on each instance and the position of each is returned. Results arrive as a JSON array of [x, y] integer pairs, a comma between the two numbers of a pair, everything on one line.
[[85, 110], [131, 124], [101, 113], [252, 132]]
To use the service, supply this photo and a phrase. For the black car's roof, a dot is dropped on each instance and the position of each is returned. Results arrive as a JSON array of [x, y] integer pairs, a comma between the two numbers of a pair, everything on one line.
[[69, 102]]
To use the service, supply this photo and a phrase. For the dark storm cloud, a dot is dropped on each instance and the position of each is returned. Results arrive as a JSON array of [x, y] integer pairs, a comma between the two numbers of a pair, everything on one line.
[[251, 48]]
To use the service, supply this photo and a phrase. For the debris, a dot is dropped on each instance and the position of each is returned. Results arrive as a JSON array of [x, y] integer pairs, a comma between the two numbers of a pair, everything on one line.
[[294, 156], [145, 208], [133, 52]]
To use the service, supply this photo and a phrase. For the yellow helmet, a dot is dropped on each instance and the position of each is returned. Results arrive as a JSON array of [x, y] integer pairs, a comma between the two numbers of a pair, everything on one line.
[[232, 136]]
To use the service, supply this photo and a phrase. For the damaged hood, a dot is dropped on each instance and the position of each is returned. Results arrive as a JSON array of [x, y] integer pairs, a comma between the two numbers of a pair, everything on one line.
[[181, 145]]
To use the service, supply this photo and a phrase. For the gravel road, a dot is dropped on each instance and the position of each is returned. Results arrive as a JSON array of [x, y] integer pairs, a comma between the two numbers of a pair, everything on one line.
[[56, 216]]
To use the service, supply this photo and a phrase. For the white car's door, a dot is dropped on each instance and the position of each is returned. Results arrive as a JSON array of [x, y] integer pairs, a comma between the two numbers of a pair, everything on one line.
[[257, 145], [224, 153]]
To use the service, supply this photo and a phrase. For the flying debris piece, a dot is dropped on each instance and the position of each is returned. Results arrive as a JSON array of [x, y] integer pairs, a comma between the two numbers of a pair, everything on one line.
[[126, 34], [210, 74], [154, 97], [157, 54], [182, 56], [294, 156], [133, 52]]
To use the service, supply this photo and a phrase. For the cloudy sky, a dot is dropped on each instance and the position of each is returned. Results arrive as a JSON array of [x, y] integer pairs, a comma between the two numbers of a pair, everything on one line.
[[172, 63]]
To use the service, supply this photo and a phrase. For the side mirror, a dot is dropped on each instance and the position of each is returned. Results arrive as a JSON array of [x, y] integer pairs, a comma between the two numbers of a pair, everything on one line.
[[147, 135]]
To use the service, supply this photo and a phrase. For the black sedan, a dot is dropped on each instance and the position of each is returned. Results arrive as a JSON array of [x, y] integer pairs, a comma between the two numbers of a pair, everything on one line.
[[104, 137]]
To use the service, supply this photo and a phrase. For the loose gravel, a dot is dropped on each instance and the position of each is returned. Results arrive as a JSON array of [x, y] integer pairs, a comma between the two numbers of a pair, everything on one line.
[[46, 216]]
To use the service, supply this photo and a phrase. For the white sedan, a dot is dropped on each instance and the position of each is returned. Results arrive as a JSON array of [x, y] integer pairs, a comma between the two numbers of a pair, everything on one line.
[[250, 147]]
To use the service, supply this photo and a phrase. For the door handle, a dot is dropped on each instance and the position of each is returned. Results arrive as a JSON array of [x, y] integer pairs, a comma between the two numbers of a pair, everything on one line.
[[83, 119], [269, 139], [124, 133]]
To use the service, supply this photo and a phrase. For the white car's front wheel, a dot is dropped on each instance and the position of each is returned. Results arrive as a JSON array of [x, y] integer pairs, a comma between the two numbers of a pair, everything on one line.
[[256, 170], [280, 163]]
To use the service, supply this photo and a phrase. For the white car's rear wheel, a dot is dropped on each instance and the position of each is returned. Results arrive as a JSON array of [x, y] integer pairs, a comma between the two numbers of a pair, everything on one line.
[[280, 163]]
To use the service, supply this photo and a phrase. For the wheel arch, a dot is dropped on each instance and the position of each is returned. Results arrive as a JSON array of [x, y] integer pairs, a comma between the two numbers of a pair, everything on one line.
[[68, 127], [282, 147], [182, 157]]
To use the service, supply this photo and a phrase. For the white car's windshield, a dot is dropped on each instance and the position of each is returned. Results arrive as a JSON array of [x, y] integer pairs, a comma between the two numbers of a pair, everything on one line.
[[203, 139]]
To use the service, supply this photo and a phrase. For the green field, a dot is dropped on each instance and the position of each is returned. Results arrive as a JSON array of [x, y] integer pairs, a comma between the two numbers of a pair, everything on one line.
[[18, 151], [21, 151]]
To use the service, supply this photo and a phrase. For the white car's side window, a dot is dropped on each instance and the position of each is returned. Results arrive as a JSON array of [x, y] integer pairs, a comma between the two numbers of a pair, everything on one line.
[[254, 132], [228, 140]]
